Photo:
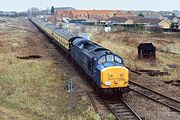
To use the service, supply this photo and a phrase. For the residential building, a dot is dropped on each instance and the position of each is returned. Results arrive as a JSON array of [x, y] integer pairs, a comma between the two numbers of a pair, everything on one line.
[[60, 14], [147, 21], [101, 13], [121, 20], [165, 24], [79, 14], [88, 14]]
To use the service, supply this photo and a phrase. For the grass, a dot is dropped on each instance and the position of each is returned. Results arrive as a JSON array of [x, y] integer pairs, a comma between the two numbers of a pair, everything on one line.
[[127, 48], [27, 90], [35, 89]]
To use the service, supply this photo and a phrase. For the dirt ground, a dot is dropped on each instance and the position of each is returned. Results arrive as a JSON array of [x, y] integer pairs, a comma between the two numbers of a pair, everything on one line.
[[36, 88]]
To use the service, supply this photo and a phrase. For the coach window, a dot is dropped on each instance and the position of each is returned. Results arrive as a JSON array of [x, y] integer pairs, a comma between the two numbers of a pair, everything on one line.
[[102, 60]]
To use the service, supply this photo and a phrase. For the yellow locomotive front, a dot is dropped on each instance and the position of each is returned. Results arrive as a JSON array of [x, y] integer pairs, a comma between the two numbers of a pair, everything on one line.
[[114, 77]]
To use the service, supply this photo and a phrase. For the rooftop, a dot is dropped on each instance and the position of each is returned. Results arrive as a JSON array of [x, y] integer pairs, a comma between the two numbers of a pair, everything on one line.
[[64, 8]]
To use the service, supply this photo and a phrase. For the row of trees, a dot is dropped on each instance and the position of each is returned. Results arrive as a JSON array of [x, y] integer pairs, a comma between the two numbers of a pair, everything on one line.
[[36, 11]]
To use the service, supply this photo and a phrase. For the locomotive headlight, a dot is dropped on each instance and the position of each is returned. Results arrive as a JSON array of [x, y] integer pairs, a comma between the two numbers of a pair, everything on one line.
[[111, 75], [125, 83], [121, 75], [107, 83]]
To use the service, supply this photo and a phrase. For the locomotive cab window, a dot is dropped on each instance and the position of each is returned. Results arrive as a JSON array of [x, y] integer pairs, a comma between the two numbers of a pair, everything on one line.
[[110, 58], [102, 60], [117, 59]]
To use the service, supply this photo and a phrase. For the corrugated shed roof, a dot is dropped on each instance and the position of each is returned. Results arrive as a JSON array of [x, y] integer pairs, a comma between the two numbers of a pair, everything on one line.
[[146, 46]]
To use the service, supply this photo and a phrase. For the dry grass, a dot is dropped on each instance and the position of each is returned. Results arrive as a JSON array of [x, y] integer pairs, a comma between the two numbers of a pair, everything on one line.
[[126, 46], [35, 89]]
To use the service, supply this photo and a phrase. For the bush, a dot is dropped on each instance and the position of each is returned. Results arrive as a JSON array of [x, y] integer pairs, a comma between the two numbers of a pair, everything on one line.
[[111, 117], [90, 114]]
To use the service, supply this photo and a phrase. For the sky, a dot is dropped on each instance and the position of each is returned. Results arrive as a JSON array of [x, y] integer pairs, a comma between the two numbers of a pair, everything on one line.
[[157, 5]]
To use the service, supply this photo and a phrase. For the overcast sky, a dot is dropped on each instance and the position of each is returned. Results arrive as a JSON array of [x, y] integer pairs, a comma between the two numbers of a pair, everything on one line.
[[158, 5]]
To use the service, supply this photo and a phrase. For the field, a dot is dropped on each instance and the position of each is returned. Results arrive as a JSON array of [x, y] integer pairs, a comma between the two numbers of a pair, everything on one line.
[[35, 88], [125, 44]]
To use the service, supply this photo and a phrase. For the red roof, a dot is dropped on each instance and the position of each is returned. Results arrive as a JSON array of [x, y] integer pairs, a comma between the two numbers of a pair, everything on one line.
[[60, 12], [95, 13]]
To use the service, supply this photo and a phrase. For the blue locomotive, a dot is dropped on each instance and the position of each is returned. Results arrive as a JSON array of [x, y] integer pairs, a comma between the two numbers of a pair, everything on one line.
[[106, 69]]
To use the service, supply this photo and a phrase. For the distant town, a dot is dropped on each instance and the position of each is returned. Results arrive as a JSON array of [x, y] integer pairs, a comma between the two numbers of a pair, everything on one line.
[[148, 20]]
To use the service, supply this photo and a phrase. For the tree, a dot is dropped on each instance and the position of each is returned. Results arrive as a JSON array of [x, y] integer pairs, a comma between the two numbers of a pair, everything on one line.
[[174, 26], [52, 10], [140, 15], [33, 11]]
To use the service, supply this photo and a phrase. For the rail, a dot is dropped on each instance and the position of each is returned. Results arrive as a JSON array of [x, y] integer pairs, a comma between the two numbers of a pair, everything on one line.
[[122, 110], [155, 96], [118, 107]]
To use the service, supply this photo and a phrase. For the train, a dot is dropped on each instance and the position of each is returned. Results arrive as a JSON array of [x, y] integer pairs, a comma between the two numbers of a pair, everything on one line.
[[105, 69]]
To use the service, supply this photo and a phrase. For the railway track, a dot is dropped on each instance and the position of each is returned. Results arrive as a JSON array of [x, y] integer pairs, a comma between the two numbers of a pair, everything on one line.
[[118, 107], [122, 111], [155, 96]]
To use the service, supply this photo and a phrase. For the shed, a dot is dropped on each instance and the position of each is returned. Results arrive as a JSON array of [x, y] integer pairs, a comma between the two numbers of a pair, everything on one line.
[[147, 51]]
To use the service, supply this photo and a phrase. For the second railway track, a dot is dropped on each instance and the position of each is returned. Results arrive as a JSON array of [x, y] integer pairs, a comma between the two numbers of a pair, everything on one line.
[[155, 96]]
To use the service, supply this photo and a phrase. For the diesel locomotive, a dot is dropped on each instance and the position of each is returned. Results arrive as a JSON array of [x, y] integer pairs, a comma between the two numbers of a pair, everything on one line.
[[104, 68]]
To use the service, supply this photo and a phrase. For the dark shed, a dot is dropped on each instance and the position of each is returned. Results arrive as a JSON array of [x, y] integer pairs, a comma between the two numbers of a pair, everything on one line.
[[146, 50]]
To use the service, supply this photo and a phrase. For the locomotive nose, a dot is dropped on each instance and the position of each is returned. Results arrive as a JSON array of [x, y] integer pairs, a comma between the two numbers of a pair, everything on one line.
[[114, 77]]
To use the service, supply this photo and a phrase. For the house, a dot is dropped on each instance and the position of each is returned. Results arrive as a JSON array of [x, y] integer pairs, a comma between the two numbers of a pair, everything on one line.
[[147, 51], [71, 14], [101, 13], [79, 14], [147, 21], [153, 22], [121, 20], [97, 15], [175, 19], [165, 24], [60, 14], [119, 13]]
